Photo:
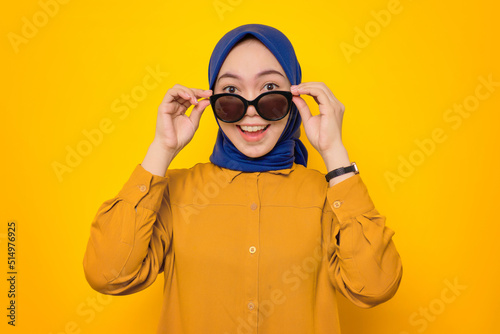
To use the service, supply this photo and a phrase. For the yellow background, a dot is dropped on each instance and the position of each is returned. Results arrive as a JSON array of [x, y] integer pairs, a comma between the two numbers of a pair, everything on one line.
[[397, 89]]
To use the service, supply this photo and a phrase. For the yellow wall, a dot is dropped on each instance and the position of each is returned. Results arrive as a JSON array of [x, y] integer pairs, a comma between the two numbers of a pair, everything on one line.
[[432, 170]]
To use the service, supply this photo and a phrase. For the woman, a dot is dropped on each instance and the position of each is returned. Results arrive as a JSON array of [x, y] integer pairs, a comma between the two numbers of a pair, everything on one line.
[[252, 241]]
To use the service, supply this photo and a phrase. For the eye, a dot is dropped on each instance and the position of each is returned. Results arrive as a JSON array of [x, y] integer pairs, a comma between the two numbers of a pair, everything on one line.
[[231, 90], [271, 85]]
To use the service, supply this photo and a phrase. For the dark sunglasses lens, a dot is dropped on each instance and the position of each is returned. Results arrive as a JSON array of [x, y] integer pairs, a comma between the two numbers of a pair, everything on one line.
[[273, 106], [229, 108]]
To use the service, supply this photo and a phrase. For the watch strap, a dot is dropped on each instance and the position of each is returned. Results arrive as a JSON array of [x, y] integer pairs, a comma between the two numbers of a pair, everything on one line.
[[342, 170]]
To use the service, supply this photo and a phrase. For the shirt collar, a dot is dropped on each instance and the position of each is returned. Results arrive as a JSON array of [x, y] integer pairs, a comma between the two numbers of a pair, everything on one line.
[[232, 174]]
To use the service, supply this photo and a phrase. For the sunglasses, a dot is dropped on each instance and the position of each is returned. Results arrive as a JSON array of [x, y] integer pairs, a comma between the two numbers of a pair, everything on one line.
[[271, 106]]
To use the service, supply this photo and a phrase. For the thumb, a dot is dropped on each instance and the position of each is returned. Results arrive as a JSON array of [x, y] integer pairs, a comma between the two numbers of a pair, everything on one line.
[[197, 111], [303, 108]]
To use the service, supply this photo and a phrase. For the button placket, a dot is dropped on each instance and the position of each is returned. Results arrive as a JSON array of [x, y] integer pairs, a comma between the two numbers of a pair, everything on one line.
[[252, 228]]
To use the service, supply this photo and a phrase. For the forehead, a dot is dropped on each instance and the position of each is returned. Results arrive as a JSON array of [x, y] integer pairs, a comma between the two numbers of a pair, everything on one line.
[[248, 58]]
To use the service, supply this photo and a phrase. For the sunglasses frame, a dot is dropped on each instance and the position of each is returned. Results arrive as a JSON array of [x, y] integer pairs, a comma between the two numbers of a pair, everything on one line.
[[288, 95]]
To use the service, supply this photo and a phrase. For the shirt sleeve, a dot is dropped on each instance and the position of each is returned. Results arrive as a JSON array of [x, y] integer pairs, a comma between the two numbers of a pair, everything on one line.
[[364, 264], [129, 240]]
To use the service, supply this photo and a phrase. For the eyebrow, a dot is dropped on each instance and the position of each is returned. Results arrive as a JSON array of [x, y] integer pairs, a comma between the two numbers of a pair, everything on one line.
[[260, 74]]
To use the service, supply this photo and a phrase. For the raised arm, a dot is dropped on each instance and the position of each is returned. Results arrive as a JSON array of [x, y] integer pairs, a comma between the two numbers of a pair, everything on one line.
[[364, 263], [130, 239]]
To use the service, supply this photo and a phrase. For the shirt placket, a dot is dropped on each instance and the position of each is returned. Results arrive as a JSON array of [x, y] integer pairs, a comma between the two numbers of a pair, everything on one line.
[[252, 253]]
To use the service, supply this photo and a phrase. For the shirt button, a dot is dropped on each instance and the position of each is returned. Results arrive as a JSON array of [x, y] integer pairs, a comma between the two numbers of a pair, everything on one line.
[[253, 206], [251, 306], [142, 188], [337, 204], [252, 249]]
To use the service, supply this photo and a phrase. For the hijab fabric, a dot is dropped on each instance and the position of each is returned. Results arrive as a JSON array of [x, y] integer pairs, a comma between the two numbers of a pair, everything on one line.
[[289, 148]]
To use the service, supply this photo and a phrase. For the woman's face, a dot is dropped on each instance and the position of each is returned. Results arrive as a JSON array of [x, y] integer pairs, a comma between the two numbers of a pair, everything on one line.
[[249, 70]]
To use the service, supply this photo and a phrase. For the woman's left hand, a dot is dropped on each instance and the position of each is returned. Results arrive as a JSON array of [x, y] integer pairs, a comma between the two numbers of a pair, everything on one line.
[[324, 131]]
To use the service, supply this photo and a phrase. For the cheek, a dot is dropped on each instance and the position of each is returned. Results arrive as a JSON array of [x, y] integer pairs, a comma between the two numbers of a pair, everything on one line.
[[224, 127], [280, 127]]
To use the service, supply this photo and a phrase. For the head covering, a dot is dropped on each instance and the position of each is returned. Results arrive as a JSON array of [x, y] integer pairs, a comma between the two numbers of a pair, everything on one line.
[[289, 148]]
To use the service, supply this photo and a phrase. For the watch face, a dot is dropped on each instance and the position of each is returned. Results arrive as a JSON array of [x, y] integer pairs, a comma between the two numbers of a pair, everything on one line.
[[356, 170]]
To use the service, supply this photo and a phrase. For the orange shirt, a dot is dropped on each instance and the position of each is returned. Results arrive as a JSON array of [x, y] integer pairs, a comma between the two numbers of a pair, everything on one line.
[[261, 252]]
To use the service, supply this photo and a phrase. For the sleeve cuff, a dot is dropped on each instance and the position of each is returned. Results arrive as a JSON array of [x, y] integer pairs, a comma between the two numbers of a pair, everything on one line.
[[144, 189], [349, 198]]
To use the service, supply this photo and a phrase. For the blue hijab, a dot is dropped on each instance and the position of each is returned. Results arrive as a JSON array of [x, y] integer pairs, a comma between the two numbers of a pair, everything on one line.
[[289, 148]]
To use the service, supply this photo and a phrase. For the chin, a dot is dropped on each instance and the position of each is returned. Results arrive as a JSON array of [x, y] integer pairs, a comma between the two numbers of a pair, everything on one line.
[[254, 153]]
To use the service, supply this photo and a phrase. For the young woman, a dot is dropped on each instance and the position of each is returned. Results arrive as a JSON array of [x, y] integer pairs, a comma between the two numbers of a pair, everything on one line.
[[253, 241]]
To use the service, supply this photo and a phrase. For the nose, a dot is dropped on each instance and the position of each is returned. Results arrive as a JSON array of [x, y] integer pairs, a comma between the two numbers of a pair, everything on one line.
[[251, 111]]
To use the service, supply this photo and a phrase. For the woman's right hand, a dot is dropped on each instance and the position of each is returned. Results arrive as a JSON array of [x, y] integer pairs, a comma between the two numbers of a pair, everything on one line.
[[174, 129]]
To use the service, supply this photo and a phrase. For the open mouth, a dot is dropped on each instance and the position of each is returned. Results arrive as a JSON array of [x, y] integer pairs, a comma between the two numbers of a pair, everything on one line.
[[253, 129], [254, 132]]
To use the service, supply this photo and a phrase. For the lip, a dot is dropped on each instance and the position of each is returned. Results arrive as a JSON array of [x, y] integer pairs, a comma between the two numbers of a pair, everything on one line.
[[253, 136]]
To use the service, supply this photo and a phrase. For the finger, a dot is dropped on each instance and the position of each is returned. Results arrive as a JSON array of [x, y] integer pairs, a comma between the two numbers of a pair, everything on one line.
[[195, 94], [177, 91], [186, 95], [329, 93], [174, 95], [185, 102], [303, 108], [327, 90], [201, 92], [319, 96], [317, 93], [314, 86], [321, 86], [189, 96], [197, 111]]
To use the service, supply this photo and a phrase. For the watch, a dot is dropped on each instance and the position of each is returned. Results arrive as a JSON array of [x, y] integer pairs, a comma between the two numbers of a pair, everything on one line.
[[342, 170]]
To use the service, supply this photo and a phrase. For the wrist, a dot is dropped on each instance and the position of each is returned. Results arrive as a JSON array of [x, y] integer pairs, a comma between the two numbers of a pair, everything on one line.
[[157, 159], [335, 157], [160, 149]]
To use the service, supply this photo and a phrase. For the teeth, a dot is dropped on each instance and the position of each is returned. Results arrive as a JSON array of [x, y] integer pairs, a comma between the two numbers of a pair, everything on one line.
[[252, 128]]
